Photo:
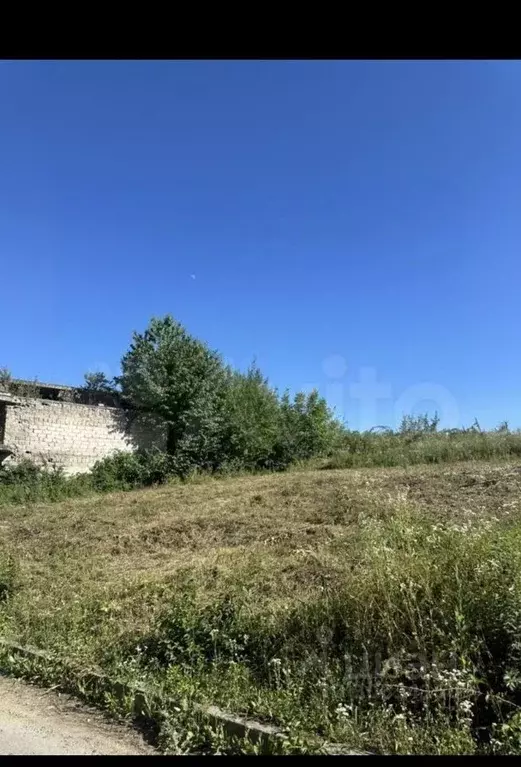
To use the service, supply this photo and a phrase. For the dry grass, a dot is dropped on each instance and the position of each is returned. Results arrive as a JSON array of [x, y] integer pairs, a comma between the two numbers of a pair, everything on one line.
[[280, 535], [93, 571]]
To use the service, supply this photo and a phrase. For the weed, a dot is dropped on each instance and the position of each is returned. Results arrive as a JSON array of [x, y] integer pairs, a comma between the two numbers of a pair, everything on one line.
[[9, 576], [379, 609]]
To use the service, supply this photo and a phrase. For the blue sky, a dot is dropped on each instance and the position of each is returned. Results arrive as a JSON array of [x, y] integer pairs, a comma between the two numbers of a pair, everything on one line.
[[343, 222]]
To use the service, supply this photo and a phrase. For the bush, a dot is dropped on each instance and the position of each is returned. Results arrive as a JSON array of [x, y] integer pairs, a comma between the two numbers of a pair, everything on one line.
[[24, 473], [307, 429], [125, 471], [28, 483]]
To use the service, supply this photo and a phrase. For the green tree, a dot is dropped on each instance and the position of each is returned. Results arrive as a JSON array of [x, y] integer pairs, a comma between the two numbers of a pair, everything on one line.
[[308, 427], [252, 422], [98, 381], [167, 373]]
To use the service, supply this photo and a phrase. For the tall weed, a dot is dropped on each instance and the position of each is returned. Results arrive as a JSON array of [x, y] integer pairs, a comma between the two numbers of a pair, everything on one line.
[[426, 625]]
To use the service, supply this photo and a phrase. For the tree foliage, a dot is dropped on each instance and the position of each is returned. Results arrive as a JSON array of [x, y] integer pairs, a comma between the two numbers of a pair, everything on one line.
[[98, 381], [169, 374], [215, 416], [252, 420], [308, 427]]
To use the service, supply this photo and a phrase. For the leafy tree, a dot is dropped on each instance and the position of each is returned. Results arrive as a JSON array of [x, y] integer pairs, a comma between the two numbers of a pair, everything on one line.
[[98, 381], [252, 422], [308, 427], [169, 374]]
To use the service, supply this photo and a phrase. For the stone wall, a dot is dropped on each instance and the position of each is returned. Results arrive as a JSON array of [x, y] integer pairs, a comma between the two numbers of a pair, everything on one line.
[[70, 435]]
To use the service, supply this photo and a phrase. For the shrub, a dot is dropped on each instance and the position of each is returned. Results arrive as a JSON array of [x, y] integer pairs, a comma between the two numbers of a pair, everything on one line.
[[25, 473], [307, 429], [419, 424], [125, 471], [5, 378], [27, 482]]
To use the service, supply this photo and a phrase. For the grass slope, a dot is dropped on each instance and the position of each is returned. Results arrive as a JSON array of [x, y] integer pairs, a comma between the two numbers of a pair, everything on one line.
[[378, 607]]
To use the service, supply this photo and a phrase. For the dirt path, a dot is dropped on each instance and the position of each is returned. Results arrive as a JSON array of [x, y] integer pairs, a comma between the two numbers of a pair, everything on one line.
[[36, 721]]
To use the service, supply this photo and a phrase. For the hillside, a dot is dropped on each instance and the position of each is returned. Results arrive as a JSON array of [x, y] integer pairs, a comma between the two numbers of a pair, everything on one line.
[[250, 592]]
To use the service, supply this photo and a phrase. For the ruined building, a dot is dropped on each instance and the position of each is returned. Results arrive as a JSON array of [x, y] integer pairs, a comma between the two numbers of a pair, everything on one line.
[[67, 427]]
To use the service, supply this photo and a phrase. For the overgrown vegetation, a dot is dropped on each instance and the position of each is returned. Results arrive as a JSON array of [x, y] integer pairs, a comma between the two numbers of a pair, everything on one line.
[[376, 607], [219, 420], [5, 378], [379, 608], [419, 441], [216, 419], [8, 576], [26, 482], [301, 434]]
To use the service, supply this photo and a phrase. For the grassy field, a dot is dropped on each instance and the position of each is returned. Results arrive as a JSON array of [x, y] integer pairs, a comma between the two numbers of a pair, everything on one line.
[[375, 607]]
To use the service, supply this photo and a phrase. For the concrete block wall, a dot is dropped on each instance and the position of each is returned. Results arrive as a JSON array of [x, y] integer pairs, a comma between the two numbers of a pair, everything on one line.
[[70, 435]]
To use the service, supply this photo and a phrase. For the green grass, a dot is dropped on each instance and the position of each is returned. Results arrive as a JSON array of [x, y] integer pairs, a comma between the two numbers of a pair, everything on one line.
[[410, 449], [377, 607]]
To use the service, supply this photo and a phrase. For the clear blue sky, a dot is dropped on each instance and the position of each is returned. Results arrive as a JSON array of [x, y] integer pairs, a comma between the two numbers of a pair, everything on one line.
[[337, 220]]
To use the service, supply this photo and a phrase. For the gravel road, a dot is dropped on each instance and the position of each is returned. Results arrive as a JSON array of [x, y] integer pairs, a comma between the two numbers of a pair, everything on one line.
[[37, 721]]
